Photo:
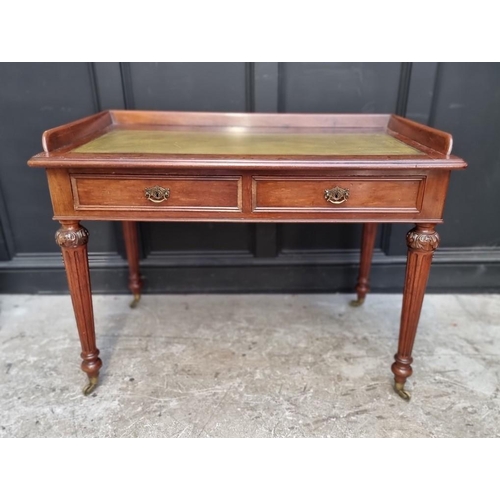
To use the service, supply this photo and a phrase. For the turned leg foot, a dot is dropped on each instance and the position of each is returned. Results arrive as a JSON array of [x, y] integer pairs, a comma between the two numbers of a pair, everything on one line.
[[91, 365], [130, 234], [422, 240], [402, 370], [367, 245], [72, 238]]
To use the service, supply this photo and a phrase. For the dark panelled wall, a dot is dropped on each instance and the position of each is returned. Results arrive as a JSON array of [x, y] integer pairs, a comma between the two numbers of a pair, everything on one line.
[[461, 98]]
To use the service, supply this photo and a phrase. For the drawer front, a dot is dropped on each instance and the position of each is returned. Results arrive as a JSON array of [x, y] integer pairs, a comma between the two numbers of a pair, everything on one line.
[[335, 194], [159, 193]]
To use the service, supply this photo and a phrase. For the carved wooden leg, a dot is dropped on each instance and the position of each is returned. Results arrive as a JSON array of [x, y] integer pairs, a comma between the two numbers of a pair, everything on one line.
[[422, 240], [131, 237], [72, 238], [367, 245]]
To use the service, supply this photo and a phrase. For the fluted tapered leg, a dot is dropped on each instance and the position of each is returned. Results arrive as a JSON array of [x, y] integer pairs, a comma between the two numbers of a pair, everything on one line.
[[131, 237], [422, 240], [367, 245], [72, 238]]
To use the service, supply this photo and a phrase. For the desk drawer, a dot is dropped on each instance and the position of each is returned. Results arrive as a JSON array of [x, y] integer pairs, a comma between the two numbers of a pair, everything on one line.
[[334, 194], [159, 193]]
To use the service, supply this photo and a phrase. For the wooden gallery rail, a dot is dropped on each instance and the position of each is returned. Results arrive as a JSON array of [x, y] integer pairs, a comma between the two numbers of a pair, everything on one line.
[[174, 166]]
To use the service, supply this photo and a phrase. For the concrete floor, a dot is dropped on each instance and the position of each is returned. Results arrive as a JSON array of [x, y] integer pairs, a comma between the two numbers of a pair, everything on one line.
[[250, 366]]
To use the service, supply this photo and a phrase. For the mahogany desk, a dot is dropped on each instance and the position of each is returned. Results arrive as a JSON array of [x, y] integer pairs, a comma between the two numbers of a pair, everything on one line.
[[173, 166]]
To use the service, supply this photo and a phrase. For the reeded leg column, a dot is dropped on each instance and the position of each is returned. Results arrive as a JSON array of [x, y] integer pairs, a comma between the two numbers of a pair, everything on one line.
[[131, 237], [367, 245], [72, 238], [422, 240]]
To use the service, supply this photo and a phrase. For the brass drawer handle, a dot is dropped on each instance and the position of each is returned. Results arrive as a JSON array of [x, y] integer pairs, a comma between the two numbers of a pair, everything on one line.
[[157, 194], [336, 195]]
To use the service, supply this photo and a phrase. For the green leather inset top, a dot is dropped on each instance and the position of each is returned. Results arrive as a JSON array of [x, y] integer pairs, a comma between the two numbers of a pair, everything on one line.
[[244, 141]]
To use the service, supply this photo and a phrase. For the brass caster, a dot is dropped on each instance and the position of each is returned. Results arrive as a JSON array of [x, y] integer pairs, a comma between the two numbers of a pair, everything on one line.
[[89, 388], [135, 301], [400, 390], [357, 303]]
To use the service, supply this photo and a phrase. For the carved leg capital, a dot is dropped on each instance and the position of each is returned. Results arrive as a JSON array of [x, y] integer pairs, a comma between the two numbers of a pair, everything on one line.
[[422, 241], [422, 238], [71, 235]]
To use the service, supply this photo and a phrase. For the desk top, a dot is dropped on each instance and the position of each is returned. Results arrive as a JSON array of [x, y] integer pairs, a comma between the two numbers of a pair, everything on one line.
[[156, 138], [246, 141]]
